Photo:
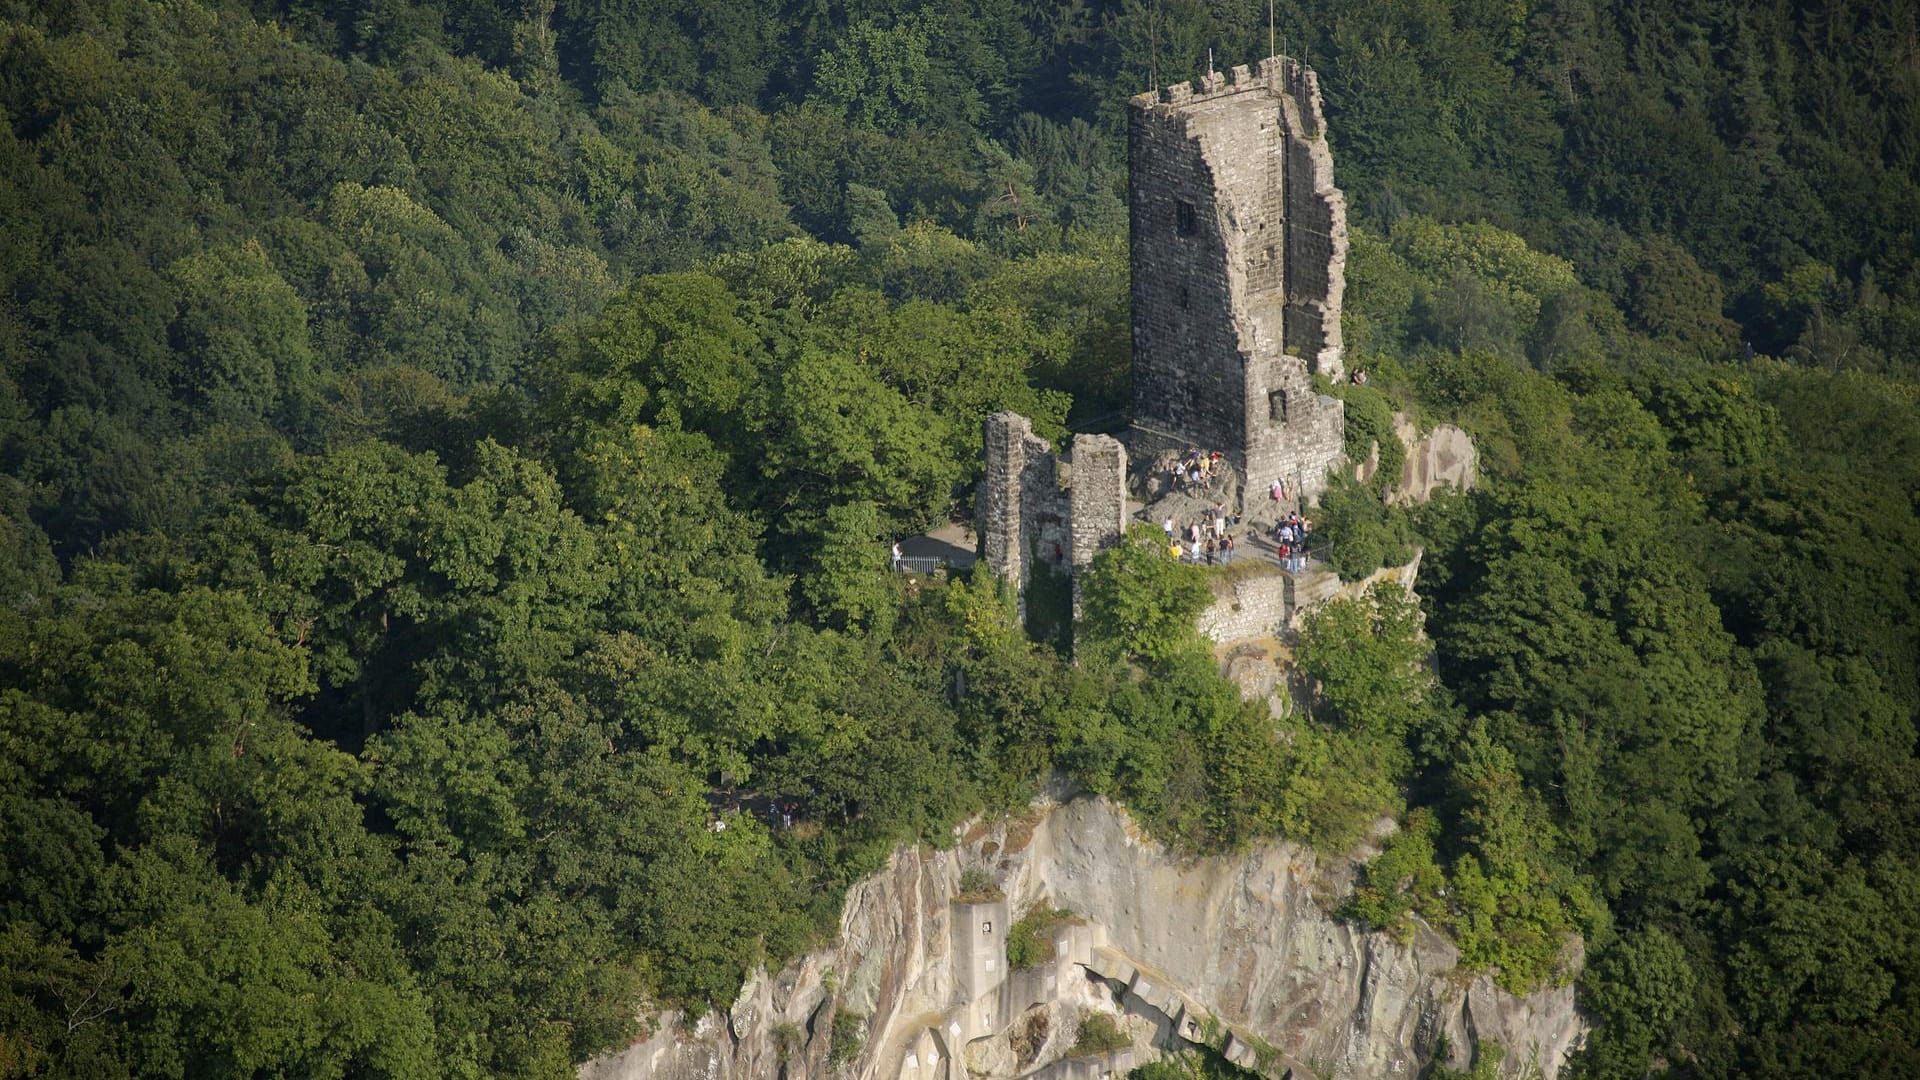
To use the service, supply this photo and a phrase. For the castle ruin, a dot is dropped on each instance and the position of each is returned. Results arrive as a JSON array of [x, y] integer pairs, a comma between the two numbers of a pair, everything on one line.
[[1239, 248]]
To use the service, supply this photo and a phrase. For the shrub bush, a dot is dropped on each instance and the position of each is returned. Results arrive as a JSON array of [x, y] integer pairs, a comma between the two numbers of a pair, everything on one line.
[[1099, 1034], [1369, 421], [849, 1035], [1030, 941]]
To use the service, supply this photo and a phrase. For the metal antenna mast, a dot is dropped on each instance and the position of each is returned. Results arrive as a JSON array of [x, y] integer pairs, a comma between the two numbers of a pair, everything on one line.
[[1153, 43]]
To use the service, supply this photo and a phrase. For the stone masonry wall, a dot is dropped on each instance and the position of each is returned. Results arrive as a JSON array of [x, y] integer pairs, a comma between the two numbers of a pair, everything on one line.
[[1097, 496], [1268, 604], [1187, 377], [1251, 607], [1002, 537], [1316, 235], [1033, 506], [1238, 266]]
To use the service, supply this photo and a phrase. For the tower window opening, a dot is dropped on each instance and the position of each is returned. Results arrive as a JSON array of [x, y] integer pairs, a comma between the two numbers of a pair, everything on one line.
[[1184, 221], [1277, 406]]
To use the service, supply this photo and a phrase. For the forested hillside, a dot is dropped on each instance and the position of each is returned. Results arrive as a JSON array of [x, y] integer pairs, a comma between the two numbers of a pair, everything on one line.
[[447, 452]]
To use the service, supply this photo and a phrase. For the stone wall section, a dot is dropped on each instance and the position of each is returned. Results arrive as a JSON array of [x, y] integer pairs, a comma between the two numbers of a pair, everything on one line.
[[1005, 438], [1188, 385], [1250, 607], [1270, 604], [1097, 496], [1316, 235], [1034, 507], [1239, 245]]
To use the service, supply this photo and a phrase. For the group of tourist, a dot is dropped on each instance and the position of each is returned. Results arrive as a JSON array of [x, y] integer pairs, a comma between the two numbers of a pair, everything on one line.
[[1207, 540], [1290, 541], [1196, 469]]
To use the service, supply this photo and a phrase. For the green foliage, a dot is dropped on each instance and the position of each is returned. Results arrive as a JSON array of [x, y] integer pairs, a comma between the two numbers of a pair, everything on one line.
[[1030, 938], [442, 485], [1367, 661], [1193, 1064], [788, 1040], [878, 75], [1671, 297], [1631, 778], [1049, 598], [1487, 287], [1512, 905], [1357, 533], [1202, 768], [1403, 879], [1381, 285], [869, 217], [847, 585], [1642, 983], [1369, 415], [1487, 1058], [243, 333], [1143, 603], [1099, 1034], [848, 1036], [977, 886]]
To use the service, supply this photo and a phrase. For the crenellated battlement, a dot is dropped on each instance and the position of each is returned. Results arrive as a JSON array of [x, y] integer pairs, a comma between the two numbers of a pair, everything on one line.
[[1280, 75]]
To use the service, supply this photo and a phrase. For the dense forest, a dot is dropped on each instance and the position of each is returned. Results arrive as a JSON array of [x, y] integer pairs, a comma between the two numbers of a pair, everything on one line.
[[447, 449]]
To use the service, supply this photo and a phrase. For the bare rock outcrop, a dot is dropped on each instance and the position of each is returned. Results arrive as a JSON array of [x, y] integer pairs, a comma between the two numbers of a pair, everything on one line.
[[1238, 953], [1444, 457]]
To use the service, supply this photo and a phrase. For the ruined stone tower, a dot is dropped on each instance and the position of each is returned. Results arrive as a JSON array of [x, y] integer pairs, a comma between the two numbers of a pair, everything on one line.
[[1239, 243]]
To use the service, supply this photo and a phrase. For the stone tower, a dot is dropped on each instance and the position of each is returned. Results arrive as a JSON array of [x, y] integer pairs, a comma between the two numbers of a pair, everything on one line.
[[1239, 258]]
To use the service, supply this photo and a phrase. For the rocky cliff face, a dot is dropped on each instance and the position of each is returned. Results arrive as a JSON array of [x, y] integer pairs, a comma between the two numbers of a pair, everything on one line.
[[1238, 953], [1442, 458]]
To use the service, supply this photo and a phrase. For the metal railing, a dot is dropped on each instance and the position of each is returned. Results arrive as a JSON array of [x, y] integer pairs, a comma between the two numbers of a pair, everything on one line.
[[920, 564]]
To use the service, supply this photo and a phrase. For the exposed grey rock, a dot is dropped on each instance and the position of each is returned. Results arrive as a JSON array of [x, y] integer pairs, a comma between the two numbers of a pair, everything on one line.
[[1443, 457], [1235, 951]]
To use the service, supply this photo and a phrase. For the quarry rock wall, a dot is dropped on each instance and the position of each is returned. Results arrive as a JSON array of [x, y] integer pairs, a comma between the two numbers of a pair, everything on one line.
[[1234, 952]]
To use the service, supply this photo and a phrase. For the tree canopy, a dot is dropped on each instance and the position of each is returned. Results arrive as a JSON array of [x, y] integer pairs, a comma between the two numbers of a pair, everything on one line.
[[448, 454]]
